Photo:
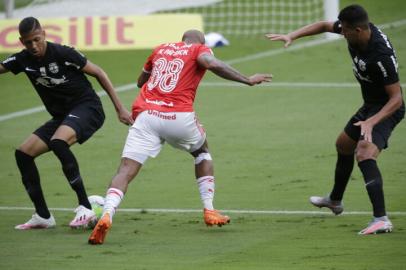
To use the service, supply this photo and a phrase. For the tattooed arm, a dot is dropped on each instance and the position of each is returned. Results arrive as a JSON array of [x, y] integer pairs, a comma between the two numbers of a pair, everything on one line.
[[223, 70]]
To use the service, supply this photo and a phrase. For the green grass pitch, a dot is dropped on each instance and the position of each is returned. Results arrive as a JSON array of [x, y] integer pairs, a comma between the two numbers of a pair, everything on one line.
[[273, 147]]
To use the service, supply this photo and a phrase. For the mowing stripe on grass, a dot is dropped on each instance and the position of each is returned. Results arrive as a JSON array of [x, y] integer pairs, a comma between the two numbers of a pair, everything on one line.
[[133, 86], [245, 211], [272, 52]]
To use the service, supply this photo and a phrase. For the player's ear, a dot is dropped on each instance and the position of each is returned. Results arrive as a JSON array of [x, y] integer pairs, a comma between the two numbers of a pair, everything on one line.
[[358, 29]]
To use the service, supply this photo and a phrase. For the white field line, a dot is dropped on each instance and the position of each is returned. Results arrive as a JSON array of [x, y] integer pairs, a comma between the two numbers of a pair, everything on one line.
[[264, 54], [133, 86], [179, 211]]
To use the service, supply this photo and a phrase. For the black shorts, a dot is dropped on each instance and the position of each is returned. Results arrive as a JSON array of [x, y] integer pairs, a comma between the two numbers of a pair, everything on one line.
[[381, 132], [85, 119]]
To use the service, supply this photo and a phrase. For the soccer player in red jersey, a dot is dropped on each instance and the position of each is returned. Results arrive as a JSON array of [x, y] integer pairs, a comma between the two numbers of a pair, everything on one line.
[[163, 112]]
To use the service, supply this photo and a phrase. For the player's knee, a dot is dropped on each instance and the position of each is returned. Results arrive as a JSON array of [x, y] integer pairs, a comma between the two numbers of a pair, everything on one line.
[[57, 146], [344, 147], [22, 157], [364, 151], [201, 157]]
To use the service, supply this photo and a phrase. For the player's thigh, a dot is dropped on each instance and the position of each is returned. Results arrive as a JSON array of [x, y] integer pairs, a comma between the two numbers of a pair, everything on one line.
[[47, 130], [185, 132], [383, 130], [85, 119], [143, 140], [33, 146], [65, 133], [354, 132]]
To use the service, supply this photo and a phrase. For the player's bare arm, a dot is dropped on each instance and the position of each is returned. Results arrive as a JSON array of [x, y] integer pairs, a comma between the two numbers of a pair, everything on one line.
[[395, 102], [3, 69], [308, 30], [223, 70], [143, 78], [104, 81]]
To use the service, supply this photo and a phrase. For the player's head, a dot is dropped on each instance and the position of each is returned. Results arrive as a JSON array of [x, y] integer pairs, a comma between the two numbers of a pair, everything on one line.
[[32, 36], [193, 36], [354, 21]]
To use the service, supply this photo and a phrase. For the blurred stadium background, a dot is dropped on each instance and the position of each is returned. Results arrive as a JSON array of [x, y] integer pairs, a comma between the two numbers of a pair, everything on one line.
[[273, 147]]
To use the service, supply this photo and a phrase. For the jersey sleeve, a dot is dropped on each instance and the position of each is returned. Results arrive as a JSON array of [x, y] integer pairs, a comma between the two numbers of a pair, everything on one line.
[[337, 28], [12, 64], [74, 58], [386, 70], [204, 49]]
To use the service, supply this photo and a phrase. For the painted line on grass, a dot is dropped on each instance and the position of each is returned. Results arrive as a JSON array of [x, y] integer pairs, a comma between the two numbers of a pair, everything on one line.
[[179, 211], [132, 86], [268, 53], [17, 114]]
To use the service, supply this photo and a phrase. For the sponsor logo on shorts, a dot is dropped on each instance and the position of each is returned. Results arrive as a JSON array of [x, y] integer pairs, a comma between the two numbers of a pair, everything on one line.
[[164, 116]]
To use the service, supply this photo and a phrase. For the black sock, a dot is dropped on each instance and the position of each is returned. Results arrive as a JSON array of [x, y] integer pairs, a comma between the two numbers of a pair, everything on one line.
[[70, 168], [344, 166], [31, 181], [373, 184]]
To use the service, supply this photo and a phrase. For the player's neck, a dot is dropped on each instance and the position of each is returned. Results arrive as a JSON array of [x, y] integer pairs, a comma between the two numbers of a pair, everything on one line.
[[364, 40]]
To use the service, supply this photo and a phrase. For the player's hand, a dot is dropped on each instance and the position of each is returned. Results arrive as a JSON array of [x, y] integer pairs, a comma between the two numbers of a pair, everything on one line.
[[260, 78], [366, 130], [279, 37], [125, 117]]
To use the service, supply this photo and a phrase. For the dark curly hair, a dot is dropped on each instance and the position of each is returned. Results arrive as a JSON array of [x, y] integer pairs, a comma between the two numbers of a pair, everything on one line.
[[27, 25], [354, 16]]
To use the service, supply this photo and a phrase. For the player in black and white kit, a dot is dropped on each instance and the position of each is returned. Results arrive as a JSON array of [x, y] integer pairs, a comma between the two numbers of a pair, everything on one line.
[[367, 132], [58, 75]]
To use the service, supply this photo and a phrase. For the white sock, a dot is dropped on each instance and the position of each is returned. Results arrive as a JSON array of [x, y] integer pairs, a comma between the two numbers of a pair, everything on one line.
[[112, 201], [206, 189]]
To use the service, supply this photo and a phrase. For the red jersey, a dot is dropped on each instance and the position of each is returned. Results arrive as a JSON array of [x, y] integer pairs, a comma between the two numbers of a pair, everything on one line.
[[175, 75]]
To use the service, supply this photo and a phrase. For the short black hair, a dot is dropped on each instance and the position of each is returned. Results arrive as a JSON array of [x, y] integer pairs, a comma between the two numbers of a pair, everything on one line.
[[355, 16], [27, 25]]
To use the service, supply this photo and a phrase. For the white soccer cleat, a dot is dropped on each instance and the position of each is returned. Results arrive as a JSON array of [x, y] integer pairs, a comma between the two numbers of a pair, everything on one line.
[[85, 218], [37, 222], [336, 207], [378, 225]]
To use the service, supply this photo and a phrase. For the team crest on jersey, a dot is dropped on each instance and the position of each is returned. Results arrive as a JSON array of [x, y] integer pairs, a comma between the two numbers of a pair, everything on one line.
[[53, 67]]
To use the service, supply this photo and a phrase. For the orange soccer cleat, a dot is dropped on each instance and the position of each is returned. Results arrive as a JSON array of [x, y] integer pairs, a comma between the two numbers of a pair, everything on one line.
[[100, 230], [213, 217]]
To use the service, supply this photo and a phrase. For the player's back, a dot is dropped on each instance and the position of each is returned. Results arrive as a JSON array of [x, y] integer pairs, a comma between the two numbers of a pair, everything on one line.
[[175, 76]]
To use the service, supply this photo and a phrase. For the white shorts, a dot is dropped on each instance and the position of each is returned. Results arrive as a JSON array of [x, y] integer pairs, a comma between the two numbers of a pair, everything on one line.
[[152, 129]]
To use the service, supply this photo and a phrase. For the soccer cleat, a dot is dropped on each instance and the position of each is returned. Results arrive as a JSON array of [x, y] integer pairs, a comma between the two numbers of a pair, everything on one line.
[[335, 206], [213, 217], [100, 230], [37, 222], [378, 225], [85, 218]]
